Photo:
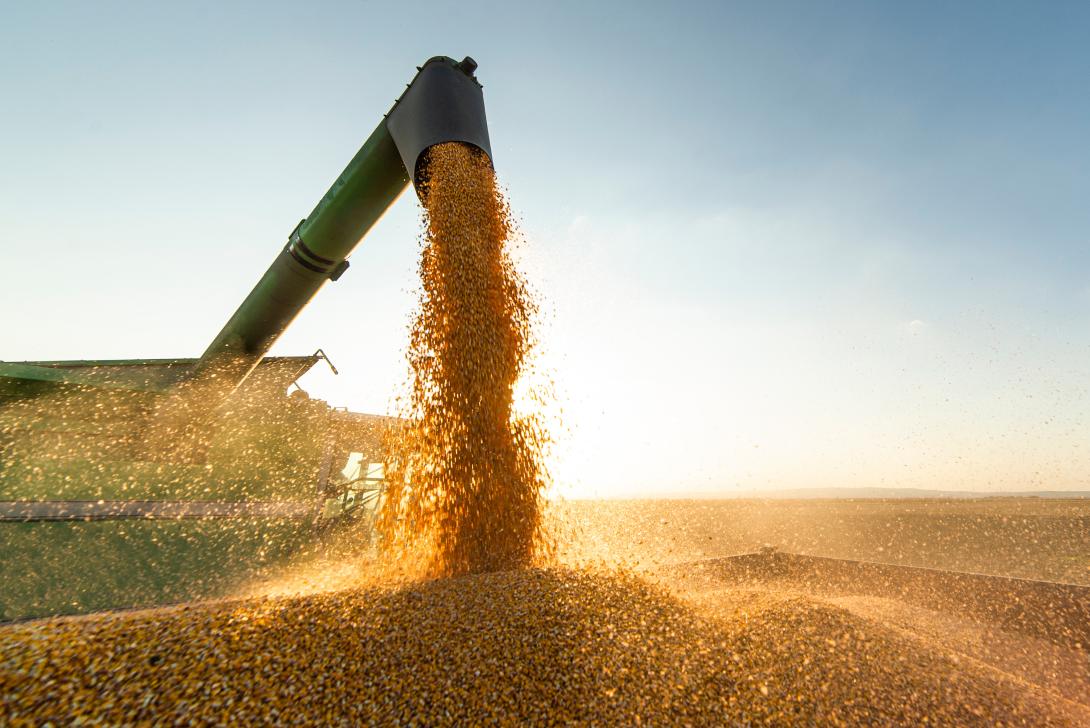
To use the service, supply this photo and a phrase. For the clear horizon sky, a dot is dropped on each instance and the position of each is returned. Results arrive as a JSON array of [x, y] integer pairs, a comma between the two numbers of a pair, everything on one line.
[[779, 244]]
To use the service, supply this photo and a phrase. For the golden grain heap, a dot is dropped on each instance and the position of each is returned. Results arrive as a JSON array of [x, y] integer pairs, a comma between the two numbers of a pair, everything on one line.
[[465, 474], [520, 647]]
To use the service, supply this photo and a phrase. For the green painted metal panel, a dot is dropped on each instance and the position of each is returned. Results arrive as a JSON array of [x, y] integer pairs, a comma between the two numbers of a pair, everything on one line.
[[371, 182], [33, 373]]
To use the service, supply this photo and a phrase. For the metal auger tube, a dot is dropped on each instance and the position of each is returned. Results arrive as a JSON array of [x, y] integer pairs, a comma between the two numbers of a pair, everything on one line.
[[443, 103]]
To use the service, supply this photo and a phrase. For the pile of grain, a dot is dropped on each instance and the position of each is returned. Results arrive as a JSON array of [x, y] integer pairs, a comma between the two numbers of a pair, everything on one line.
[[518, 647], [464, 477]]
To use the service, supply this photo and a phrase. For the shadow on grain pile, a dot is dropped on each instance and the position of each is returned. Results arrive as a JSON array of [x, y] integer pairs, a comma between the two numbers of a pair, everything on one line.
[[515, 647]]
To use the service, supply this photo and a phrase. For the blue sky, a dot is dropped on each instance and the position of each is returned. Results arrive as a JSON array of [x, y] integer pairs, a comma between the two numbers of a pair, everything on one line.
[[780, 244]]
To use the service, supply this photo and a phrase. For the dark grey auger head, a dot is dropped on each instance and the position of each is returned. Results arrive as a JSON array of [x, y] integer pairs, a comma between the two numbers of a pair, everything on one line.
[[444, 103]]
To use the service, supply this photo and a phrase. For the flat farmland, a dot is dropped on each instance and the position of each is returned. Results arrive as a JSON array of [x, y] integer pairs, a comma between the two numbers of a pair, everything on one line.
[[1030, 538]]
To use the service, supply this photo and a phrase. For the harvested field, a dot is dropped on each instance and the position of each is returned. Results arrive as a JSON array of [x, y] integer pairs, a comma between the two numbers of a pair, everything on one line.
[[532, 646], [1030, 538]]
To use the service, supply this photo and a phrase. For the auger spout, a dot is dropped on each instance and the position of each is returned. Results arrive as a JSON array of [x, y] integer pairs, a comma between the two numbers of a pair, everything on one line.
[[443, 103]]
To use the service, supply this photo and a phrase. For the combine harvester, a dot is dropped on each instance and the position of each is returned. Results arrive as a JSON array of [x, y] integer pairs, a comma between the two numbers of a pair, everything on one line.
[[96, 455]]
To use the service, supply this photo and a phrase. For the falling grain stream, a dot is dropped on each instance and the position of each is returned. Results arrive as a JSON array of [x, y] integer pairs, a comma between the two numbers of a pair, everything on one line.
[[465, 475]]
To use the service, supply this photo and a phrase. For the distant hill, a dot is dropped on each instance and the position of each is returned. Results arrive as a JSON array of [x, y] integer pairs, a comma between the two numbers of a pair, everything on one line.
[[803, 493]]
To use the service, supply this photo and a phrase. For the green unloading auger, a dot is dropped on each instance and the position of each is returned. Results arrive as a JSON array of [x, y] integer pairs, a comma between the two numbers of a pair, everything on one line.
[[443, 103]]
